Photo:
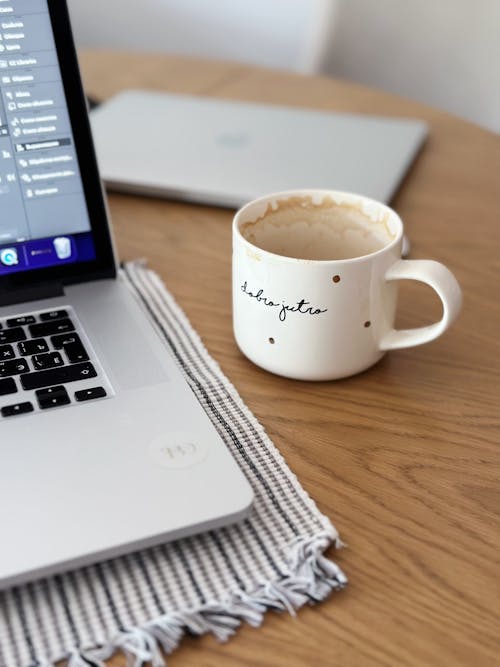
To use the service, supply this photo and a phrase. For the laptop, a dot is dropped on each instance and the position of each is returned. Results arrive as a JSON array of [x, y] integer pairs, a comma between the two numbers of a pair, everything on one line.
[[103, 447], [222, 152]]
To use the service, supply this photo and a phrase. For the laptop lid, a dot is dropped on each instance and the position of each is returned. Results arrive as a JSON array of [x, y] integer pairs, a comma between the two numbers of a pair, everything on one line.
[[222, 152], [53, 221]]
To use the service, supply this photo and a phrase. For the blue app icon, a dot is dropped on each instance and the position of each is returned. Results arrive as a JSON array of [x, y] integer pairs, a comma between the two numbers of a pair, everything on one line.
[[8, 257]]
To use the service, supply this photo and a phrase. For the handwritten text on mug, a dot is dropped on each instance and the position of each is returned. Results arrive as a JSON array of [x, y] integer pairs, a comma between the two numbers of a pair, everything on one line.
[[303, 307]]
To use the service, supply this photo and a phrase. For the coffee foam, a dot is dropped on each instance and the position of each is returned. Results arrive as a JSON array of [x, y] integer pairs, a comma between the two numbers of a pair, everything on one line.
[[320, 228]]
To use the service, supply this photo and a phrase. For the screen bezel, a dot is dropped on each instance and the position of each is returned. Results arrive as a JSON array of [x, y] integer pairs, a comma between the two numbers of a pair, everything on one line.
[[104, 266]]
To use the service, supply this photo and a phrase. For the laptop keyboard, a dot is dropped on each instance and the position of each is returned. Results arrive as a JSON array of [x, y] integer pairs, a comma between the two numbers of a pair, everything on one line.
[[46, 362]]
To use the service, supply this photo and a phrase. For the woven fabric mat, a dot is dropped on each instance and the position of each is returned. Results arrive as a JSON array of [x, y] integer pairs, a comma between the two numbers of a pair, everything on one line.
[[145, 602]]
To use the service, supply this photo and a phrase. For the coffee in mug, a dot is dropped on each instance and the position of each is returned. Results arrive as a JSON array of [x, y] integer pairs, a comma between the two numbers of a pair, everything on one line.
[[302, 229]]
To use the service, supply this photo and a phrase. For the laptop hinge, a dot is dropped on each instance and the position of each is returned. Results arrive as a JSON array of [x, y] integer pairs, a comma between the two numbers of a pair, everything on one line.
[[12, 296]]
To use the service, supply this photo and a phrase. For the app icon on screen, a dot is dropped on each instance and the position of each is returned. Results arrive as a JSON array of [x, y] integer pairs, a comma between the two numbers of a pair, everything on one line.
[[62, 246], [8, 257]]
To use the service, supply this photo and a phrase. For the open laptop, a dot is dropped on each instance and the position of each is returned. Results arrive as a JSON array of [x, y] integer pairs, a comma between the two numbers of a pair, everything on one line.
[[226, 153], [103, 446]]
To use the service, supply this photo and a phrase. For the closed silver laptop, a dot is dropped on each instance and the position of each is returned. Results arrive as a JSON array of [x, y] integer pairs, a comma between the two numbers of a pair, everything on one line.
[[222, 152], [103, 446]]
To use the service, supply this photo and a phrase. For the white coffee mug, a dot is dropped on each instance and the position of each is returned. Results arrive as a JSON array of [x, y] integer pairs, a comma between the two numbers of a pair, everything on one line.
[[315, 284]]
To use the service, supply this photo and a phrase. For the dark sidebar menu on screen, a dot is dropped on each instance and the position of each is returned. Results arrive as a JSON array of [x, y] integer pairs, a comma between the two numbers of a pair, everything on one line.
[[43, 214]]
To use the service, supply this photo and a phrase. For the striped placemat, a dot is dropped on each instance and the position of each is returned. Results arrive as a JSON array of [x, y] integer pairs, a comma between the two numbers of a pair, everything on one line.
[[144, 603]]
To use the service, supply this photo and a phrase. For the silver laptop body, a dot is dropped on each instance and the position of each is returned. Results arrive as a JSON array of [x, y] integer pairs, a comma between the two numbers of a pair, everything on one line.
[[103, 446], [225, 153]]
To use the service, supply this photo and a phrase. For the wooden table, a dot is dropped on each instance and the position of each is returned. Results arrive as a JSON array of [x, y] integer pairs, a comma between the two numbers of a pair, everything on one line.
[[404, 458]]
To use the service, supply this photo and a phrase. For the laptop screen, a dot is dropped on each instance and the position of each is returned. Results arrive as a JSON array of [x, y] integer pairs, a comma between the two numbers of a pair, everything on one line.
[[44, 220]]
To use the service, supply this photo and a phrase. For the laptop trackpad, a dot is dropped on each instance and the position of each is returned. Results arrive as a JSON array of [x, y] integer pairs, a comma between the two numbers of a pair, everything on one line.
[[123, 338]]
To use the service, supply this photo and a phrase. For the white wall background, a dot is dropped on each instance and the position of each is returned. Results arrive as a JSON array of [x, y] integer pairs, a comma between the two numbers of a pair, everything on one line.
[[280, 33], [445, 53]]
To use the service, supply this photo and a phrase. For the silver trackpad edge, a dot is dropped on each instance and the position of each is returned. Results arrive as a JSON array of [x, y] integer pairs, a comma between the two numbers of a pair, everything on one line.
[[124, 340]]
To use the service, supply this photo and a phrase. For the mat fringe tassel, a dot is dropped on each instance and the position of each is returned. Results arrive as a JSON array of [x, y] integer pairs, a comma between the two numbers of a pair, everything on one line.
[[311, 578]]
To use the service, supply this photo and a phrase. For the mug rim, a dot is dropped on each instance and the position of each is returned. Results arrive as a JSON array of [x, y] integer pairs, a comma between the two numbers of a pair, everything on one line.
[[286, 194]]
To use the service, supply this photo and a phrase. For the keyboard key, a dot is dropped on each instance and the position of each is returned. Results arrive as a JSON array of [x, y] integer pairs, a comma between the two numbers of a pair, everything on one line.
[[62, 375], [35, 346], [90, 394], [65, 339], [6, 352], [14, 367], [72, 345], [53, 315], [50, 391], [7, 386], [49, 328], [20, 321], [17, 409], [12, 335], [43, 361], [76, 353], [52, 397]]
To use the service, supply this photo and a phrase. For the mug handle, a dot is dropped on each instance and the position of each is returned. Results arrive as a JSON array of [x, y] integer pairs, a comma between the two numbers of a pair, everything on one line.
[[441, 280]]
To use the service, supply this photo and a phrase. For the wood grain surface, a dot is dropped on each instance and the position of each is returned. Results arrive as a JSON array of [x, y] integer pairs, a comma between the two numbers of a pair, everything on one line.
[[404, 458]]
